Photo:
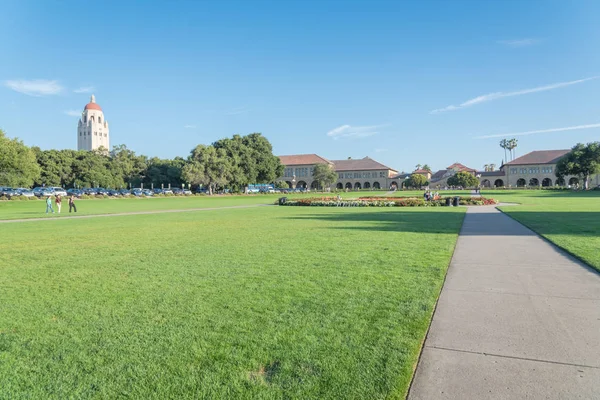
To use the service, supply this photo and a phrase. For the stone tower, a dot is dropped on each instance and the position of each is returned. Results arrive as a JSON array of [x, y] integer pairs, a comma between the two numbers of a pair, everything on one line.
[[92, 130]]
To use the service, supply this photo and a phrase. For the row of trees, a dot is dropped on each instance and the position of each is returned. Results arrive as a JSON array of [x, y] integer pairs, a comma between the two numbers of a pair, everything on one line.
[[583, 161], [510, 145], [234, 162]]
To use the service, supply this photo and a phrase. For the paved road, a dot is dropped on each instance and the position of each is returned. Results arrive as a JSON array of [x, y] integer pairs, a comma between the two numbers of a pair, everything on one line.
[[63, 216], [517, 319]]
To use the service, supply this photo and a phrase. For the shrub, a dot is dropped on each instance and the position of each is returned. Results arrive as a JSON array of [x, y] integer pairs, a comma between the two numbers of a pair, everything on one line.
[[384, 202]]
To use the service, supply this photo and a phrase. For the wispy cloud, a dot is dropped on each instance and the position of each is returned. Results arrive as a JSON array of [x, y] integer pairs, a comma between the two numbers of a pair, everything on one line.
[[73, 113], [349, 131], [552, 130], [84, 89], [520, 42], [237, 111], [189, 126], [499, 95], [36, 88]]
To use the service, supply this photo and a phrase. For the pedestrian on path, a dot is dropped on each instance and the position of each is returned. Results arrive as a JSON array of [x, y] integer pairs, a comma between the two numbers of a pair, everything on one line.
[[72, 204], [58, 201], [49, 205]]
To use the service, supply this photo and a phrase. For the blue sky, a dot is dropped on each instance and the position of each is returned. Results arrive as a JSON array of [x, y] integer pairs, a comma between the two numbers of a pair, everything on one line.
[[401, 82]]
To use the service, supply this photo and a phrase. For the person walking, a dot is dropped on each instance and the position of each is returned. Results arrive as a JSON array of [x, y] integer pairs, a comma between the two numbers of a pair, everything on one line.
[[58, 201], [72, 204], [49, 205]]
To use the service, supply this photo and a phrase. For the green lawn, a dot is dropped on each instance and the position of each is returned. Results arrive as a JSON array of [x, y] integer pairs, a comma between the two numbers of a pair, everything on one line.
[[571, 220], [268, 302], [36, 208]]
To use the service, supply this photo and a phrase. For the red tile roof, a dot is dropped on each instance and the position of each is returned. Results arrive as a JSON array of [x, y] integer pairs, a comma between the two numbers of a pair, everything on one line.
[[539, 157], [363, 164], [303, 159], [461, 167], [421, 171], [92, 106]]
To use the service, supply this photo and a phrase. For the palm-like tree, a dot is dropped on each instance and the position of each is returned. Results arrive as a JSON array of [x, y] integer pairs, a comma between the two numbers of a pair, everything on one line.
[[486, 167], [512, 145], [492, 167], [426, 167], [417, 167], [504, 145]]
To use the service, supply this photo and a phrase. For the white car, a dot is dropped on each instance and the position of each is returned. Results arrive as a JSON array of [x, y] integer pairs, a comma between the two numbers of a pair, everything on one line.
[[58, 191]]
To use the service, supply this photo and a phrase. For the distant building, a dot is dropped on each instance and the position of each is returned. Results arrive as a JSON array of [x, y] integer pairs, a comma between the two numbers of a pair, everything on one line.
[[364, 173], [92, 129]]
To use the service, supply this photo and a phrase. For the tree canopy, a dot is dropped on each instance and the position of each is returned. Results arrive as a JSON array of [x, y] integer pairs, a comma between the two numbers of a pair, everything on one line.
[[416, 181], [583, 160], [324, 174], [463, 179], [18, 165]]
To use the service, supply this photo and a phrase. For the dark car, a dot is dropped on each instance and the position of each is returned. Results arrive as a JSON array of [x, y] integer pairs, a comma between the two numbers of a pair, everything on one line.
[[147, 192], [177, 191], [137, 192], [74, 192], [124, 192], [113, 192], [9, 192], [90, 191], [101, 191]]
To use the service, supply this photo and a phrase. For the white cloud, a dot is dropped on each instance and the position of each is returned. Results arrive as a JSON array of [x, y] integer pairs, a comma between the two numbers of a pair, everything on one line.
[[189, 126], [552, 130], [520, 42], [348, 131], [498, 95], [237, 111], [73, 113], [36, 88], [84, 89]]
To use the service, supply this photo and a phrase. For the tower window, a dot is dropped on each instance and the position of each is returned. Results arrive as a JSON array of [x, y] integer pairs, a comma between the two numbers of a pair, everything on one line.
[[79, 133], [85, 119], [99, 120]]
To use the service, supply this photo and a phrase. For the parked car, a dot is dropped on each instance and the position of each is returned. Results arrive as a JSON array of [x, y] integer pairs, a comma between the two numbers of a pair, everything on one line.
[[37, 191], [124, 192], [167, 191], [46, 192], [90, 191], [177, 191], [74, 192], [9, 192], [25, 192], [59, 191], [101, 191], [147, 192], [202, 190], [187, 192], [137, 192], [113, 192]]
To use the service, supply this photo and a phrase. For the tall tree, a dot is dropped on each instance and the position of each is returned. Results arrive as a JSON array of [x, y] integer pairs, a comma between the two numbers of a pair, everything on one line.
[[463, 179], [504, 145], [18, 165], [417, 167], [426, 167], [486, 167], [324, 174], [583, 161], [492, 167], [208, 166]]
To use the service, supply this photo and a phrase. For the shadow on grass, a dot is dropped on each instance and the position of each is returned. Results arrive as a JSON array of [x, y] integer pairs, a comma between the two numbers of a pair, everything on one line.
[[586, 224], [397, 221]]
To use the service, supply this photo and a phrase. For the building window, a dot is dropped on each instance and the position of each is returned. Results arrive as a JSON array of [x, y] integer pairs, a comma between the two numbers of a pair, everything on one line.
[[99, 120], [382, 174], [79, 133], [357, 175]]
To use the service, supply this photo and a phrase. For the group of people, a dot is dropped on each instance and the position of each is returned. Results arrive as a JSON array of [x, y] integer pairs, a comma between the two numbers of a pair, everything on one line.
[[429, 195], [58, 202]]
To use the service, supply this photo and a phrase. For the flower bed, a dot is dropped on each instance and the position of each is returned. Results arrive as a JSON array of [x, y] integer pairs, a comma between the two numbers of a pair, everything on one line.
[[385, 202]]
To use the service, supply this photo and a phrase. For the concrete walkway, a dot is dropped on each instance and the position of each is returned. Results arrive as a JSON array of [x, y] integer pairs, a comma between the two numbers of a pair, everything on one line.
[[59, 217], [517, 319]]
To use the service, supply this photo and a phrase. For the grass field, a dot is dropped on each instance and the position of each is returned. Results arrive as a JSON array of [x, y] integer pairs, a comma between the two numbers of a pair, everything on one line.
[[268, 302], [570, 220]]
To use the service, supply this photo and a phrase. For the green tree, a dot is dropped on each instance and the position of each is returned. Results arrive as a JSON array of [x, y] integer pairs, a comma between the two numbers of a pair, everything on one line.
[[463, 179], [583, 161], [56, 167], [208, 166], [324, 174], [282, 185], [426, 167], [126, 163], [416, 181], [18, 165]]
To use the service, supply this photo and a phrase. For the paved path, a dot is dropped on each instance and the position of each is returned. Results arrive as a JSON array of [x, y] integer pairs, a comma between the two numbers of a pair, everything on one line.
[[64, 217], [517, 319]]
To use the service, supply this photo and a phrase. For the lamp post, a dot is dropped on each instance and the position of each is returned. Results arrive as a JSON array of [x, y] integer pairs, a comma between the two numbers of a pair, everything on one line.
[[294, 181]]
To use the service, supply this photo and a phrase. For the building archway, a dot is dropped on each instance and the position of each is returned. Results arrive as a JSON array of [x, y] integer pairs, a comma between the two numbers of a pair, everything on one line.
[[376, 185], [367, 185], [290, 186], [521, 182], [357, 186], [349, 186], [560, 182], [498, 183], [573, 181], [394, 185], [534, 182], [339, 186], [314, 185], [486, 183], [547, 182], [301, 185]]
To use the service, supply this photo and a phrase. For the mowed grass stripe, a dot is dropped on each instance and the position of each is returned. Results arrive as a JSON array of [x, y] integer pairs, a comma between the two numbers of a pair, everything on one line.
[[273, 302]]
